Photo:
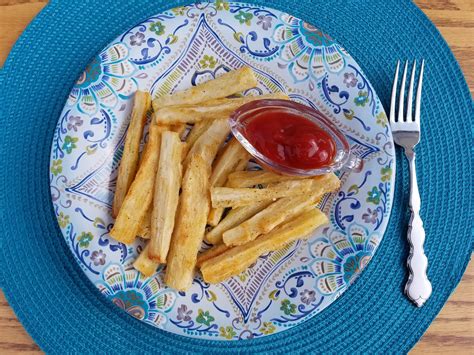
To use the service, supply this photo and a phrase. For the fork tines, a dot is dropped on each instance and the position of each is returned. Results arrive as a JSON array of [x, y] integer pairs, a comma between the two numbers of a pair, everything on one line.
[[401, 99]]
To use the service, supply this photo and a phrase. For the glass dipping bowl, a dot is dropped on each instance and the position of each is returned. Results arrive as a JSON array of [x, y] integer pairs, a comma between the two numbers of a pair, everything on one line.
[[343, 160]]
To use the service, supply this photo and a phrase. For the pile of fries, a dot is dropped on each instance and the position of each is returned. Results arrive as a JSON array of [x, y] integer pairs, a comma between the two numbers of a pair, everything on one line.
[[187, 180]]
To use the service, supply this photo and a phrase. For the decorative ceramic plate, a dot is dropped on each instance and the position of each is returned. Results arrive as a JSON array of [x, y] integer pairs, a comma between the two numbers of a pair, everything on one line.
[[172, 51]]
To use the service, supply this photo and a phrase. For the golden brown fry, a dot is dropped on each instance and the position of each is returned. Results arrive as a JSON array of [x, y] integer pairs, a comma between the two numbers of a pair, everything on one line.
[[139, 196], [209, 142], [211, 253], [233, 153], [190, 225], [257, 177], [166, 195], [130, 156], [279, 211], [193, 207], [196, 131], [235, 217], [215, 214], [144, 264], [265, 220], [225, 163], [235, 197], [144, 231], [179, 128], [234, 261], [242, 164], [210, 110], [225, 85]]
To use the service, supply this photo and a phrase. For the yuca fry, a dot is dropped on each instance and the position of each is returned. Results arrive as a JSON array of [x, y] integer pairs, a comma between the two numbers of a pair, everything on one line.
[[190, 225], [210, 110], [225, 85], [209, 142], [130, 156], [198, 129], [144, 264], [211, 253], [215, 214], [265, 220], [233, 152], [279, 211], [166, 195], [235, 217], [243, 163], [193, 207], [140, 195], [257, 177], [178, 128], [236, 197], [233, 261], [144, 231], [225, 163]]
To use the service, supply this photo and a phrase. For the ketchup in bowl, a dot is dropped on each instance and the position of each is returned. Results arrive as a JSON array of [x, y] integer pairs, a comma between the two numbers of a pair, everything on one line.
[[291, 138]]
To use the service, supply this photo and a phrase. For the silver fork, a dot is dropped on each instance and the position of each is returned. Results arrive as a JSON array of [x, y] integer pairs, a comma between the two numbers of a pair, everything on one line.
[[406, 133]]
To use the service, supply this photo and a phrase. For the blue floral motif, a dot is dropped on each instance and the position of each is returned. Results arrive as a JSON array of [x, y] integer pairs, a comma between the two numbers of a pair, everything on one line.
[[144, 298], [106, 79], [131, 302], [350, 201], [79, 246], [354, 265], [308, 51], [340, 258]]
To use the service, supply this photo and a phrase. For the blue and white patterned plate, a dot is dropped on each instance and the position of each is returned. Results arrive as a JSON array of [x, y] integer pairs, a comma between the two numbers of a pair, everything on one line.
[[182, 47]]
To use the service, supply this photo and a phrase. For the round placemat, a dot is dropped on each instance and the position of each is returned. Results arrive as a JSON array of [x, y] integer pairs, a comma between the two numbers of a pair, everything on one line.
[[64, 312]]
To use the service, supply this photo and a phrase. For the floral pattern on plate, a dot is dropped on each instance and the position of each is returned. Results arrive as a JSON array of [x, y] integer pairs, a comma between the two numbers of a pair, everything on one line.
[[106, 79], [143, 298], [185, 46]]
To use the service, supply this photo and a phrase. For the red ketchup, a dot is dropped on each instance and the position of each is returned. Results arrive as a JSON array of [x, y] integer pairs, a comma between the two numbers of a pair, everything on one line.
[[290, 140]]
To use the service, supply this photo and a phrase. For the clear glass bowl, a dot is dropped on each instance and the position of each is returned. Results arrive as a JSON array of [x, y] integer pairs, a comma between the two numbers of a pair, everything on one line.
[[343, 160]]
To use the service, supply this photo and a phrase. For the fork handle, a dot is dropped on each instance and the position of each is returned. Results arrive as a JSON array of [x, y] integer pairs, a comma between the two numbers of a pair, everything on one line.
[[418, 287]]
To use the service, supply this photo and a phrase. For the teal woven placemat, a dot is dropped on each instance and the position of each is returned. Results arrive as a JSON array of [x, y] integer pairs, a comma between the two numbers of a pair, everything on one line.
[[64, 312]]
